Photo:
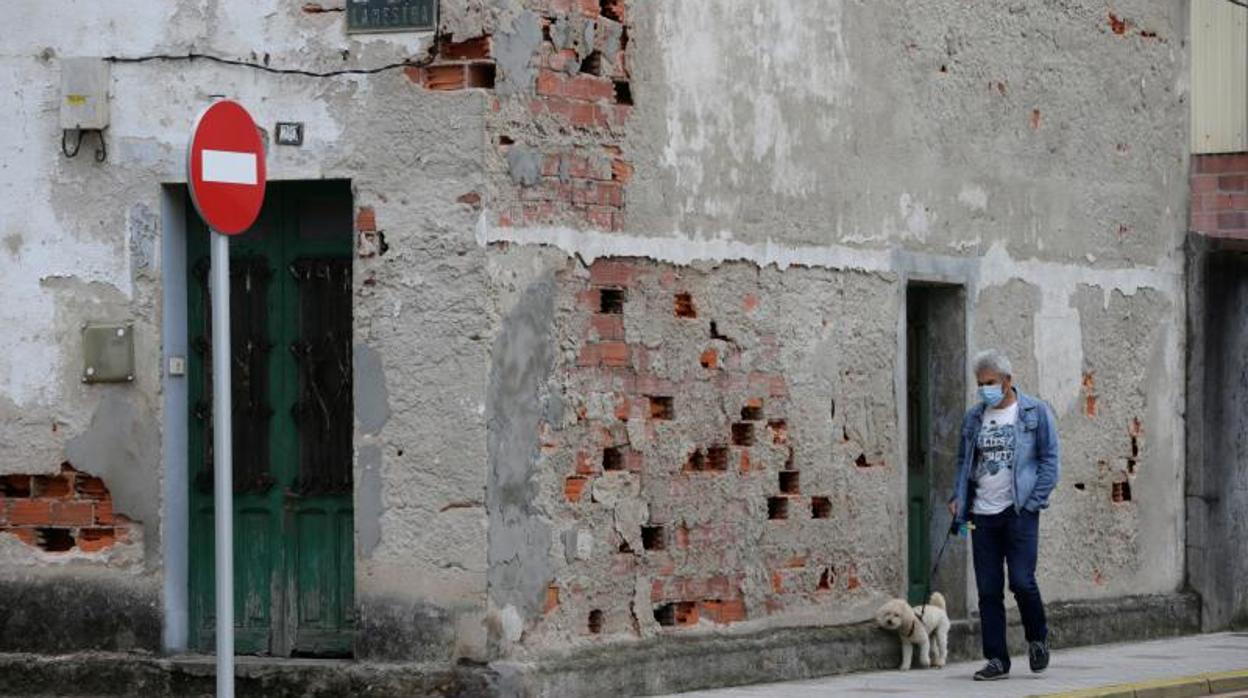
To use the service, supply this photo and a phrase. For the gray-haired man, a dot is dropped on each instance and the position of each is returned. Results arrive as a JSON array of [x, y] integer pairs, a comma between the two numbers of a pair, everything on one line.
[[1008, 464]]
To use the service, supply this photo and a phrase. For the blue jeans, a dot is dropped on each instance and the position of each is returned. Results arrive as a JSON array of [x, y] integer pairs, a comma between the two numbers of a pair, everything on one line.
[[1007, 539]]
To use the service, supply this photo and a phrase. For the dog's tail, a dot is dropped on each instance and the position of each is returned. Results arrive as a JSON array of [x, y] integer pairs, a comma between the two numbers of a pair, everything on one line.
[[937, 600]]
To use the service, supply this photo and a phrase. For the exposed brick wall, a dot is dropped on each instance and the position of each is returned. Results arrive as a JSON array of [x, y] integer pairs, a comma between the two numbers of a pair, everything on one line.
[[1219, 188], [678, 458], [59, 513], [569, 123]]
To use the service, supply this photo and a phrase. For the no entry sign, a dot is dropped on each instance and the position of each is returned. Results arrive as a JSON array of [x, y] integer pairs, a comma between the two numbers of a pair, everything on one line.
[[226, 168]]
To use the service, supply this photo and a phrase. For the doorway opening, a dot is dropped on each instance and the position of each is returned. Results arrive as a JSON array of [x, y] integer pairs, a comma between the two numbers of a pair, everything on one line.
[[291, 349], [1217, 419], [935, 401]]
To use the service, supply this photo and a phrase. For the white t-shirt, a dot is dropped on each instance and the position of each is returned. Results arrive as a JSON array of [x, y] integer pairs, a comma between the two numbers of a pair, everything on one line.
[[994, 461]]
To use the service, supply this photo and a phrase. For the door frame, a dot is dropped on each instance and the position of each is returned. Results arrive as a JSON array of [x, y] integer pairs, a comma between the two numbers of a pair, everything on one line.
[[180, 635]]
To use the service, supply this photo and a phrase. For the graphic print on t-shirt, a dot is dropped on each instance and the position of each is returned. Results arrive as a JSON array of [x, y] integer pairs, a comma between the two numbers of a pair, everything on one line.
[[996, 448]]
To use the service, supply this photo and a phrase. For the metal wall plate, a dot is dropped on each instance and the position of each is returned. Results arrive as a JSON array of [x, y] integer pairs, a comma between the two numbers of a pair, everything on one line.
[[107, 352]]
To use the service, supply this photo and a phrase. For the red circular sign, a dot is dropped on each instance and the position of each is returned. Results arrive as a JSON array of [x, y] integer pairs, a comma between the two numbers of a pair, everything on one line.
[[225, 166]]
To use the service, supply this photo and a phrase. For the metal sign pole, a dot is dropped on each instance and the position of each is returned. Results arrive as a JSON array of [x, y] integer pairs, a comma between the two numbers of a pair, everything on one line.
[[223, 462]]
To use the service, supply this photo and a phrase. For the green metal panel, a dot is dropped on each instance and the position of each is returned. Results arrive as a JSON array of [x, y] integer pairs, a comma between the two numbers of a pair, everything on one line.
[[294, 566]]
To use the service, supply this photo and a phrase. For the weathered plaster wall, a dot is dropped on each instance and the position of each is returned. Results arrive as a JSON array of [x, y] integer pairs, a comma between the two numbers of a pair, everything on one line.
[[1033, 154], [80, 243]]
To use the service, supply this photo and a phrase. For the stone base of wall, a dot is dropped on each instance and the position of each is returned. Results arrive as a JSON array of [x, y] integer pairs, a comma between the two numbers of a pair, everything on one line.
[[674, 664], [665, 665], [55, 615]]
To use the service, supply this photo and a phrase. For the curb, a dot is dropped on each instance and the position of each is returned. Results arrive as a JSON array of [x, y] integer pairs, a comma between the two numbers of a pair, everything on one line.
[[1196, 685]]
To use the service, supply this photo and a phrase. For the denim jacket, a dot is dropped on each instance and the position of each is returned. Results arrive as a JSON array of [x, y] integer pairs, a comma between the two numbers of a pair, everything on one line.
[[1037, 463]]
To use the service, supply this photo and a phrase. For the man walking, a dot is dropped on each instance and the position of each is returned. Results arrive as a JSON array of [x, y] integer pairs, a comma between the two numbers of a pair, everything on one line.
[[1007, 467]]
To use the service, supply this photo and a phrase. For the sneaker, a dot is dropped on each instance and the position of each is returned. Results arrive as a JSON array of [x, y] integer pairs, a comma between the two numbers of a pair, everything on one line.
[[994, 670], [1038, 655]]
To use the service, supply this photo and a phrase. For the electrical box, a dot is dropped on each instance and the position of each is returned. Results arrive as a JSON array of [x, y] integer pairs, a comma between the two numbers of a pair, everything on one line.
[[107, 353], [84, 94]]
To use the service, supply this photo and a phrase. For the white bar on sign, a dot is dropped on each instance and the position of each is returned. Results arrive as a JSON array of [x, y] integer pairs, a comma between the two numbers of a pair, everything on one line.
[[229, 167]]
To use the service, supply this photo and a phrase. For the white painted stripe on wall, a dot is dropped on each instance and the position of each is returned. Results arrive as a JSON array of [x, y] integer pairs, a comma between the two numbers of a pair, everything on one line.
[[228, 167]]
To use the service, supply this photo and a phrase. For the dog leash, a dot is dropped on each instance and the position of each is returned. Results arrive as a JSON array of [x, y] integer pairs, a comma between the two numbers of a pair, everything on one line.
[[927, 590]]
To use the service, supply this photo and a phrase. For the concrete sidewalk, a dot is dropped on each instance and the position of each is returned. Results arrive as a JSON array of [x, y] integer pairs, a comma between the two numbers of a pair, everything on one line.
[[1070, 670]]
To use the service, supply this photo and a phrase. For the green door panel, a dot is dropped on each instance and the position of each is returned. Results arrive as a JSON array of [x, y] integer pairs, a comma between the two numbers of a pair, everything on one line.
[[290, 324]]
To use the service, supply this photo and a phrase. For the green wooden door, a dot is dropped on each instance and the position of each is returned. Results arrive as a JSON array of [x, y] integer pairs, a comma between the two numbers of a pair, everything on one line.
[[290, 323], [918, 471]]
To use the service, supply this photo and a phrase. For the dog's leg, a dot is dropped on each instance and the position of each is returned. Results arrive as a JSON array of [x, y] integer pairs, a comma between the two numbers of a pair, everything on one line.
[[942, 644], [925, 651], [905, 654]]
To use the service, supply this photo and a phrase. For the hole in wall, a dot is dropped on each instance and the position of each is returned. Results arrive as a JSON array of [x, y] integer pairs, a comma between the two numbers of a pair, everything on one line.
[[481, 75], [55, 540], [1080, 486], [743, 434], [546, 32], [1121, 492], [592, 64], [661, 407], [790, 482], [777, 508], [625, 547], [825, 580], [832, 402], [611, 301], [752, 412], [717, 458], [15, 485], [595, 622], [820, 507], [609, 9], [715, 332], [696, 461], [684, 306], [506, 140], [652, 538], [861, 461], [612, 458], [623, 92]]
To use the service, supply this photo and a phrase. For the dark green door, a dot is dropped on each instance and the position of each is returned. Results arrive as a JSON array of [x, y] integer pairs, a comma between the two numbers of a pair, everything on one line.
[[290, 323], [918, 471]]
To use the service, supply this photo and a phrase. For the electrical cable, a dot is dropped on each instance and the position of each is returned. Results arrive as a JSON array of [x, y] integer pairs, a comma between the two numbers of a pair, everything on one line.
[[192, 56], [1240, 3]]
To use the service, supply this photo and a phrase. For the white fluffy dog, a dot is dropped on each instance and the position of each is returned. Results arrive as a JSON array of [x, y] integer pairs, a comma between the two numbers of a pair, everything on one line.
[[930, 633]]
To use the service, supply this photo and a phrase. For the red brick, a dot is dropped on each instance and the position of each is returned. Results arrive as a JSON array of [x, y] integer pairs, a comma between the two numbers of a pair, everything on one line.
[[472, 49], [574, 487], [30, 512], [1202, 184], [444, 77], [26, 535], [89, 487], [1229, 182], [724, 612], [1220, 164], [104, 512], [56, 486], [366, 219], [601, 218], [69, 513], [621, 171], [95, 539], [1238, 202], [613, 353], [549, 83], [559, 60], [589, 7], [1235, 219], [608, 326], [610, 194], [611, 273], [589, 298], [709, 358], [579, 114]]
